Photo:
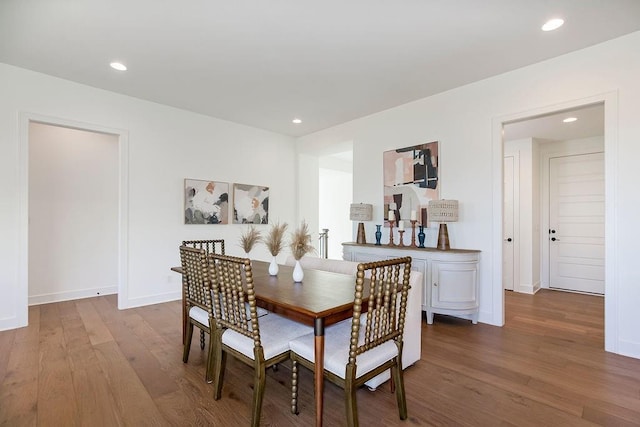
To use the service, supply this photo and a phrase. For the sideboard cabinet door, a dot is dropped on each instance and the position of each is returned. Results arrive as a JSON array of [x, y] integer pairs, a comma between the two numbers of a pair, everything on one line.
[[454, 289]]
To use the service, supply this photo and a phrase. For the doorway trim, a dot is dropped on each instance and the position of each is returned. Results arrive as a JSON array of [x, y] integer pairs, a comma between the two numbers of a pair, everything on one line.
[[610, 100], [22, 291]]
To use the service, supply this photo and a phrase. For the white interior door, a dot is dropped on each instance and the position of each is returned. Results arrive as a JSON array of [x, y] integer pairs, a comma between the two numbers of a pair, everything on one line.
[[576, 221], [507, 225]]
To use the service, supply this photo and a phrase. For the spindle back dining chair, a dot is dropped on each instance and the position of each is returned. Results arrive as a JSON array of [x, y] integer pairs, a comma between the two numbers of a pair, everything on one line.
[[197, 299], [370, 342], [212, 246], [260, 342]]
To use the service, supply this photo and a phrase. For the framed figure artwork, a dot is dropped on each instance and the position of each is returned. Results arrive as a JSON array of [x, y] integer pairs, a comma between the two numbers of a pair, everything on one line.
[[410, 181], [206, 202], [250, 204]]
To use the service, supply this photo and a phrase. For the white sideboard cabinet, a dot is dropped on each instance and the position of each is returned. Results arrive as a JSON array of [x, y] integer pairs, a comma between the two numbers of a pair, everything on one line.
[[450, 277]]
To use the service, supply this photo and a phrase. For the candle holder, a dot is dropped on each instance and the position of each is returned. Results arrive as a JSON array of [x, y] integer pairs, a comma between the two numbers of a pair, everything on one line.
[[413, 233], [401, 233], [391, 233]]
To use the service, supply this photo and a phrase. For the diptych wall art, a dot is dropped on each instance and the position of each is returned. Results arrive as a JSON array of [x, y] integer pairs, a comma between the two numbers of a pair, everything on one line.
[[250, 204], [206, 202], [410, 181]]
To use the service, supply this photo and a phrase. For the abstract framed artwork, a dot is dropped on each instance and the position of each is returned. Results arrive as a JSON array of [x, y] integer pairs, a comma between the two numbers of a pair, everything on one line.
[[410, 181], [250, 204], [206, 202]]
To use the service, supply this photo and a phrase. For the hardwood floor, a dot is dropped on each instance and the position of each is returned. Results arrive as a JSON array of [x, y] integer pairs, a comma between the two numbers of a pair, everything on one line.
[[86, 363]]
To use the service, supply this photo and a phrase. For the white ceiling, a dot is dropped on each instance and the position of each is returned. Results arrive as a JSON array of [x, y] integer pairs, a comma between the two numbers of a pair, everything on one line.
[[262, 63], [590, 122]]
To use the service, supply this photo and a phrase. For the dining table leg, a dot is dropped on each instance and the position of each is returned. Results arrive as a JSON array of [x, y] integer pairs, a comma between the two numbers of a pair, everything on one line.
[[318, 330]]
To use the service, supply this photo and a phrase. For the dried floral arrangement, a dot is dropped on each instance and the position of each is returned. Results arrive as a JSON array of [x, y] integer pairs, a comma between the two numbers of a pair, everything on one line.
[[300, 243], [274, 239], [249, 238]]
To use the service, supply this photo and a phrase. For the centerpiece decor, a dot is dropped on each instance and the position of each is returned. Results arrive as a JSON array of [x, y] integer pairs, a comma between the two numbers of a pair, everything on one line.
[[249, 238], [300, 245], [274, 240]]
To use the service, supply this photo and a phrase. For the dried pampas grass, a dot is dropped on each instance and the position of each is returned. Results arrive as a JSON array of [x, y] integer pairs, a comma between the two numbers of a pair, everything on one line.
[[249, 238], [301, 241], [275, 238]]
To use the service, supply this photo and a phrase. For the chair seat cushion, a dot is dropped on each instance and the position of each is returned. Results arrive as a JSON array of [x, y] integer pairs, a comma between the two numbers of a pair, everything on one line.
[[336, 350], [199, 315], [259, 310], [275, 334]]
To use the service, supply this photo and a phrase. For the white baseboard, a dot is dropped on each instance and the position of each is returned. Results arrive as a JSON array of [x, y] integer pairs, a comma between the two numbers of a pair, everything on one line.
[[8, 323], [524, 288], [71, 295], [149, 300], [630, 349], [110, 290], [536, 287]]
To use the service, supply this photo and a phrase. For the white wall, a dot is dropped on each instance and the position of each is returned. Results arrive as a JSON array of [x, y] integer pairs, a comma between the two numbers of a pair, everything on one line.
[[467, 122], [73, 213], [163, 146]]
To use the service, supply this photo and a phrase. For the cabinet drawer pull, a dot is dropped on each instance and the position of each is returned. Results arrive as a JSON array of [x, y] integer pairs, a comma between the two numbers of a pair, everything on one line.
[[435, 284]]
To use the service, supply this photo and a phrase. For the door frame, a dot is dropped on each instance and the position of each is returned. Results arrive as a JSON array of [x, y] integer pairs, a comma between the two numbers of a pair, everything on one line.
[[610, 100], [22, 290]]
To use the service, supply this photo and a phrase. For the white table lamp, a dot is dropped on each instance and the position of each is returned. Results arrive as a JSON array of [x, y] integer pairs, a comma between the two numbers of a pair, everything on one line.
[[443, 211], [361, 212]]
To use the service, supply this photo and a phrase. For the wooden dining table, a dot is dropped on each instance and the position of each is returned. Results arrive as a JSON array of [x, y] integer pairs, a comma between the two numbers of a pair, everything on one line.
[[321, 299]]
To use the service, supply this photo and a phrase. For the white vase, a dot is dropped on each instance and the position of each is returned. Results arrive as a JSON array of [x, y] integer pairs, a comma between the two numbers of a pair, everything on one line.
[[273, 267], [298, 274]]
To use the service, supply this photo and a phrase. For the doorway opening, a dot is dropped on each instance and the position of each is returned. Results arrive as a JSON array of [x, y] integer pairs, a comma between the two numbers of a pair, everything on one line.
[[335, 194], [57, 185], [73, 213], [553, 231]]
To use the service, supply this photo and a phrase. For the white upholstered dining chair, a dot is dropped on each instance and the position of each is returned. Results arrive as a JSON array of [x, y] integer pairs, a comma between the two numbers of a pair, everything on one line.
[[197, 299], [370, 342], [334, 265], [211, 246], [260, 342]]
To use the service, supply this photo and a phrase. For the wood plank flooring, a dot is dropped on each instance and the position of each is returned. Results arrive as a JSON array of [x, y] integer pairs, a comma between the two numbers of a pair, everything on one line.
[[87, 363]]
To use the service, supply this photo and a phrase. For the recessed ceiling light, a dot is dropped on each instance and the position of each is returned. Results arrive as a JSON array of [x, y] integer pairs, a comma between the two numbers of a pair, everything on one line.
[[552, 24], [118, 66], [296, 121], [570, 119]]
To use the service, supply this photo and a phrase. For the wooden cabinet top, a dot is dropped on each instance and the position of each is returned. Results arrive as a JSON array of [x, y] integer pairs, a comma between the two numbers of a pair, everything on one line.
[[410, 248]]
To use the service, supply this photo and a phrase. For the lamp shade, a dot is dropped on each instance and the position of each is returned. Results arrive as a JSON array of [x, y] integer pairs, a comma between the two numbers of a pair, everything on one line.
[[361, 212], [443, 210]]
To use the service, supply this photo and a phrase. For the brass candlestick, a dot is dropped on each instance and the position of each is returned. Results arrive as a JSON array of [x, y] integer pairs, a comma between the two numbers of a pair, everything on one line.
[[413, 233], [391, 233], [401, 233]]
